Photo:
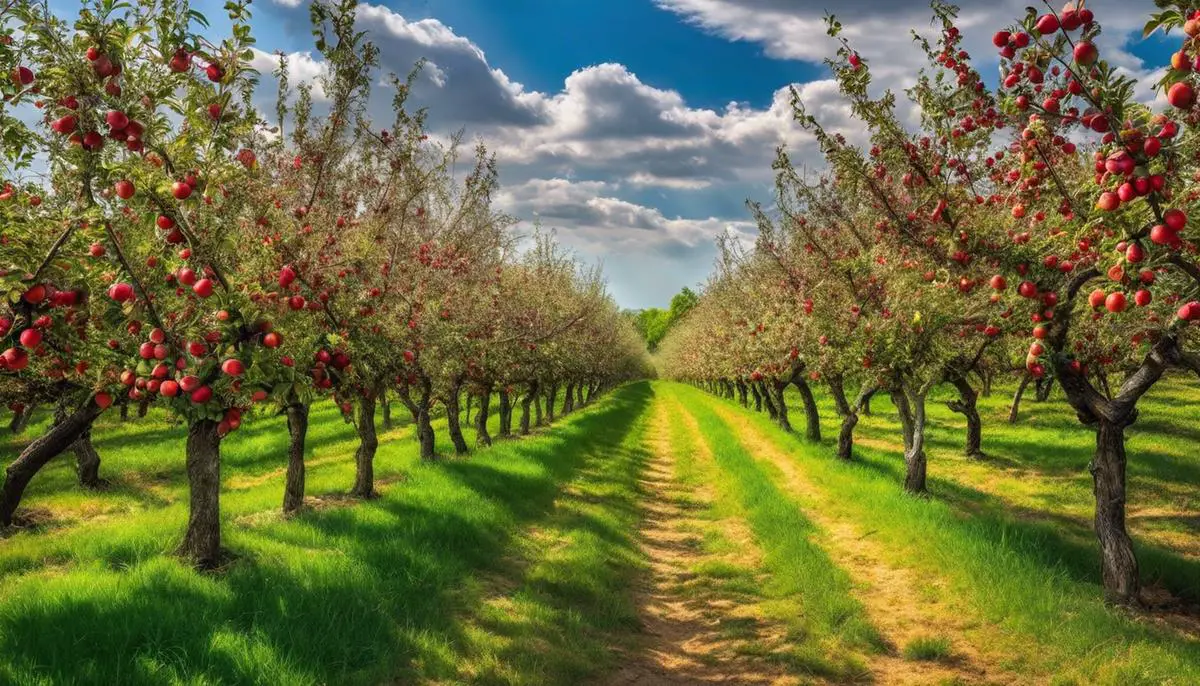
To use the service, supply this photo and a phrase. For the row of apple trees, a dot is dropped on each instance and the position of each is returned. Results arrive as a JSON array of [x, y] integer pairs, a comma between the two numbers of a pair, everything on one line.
[[1041, 223], [162, 243]]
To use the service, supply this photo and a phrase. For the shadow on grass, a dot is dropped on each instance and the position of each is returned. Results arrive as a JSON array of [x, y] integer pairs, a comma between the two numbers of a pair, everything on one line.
[[342, 595]]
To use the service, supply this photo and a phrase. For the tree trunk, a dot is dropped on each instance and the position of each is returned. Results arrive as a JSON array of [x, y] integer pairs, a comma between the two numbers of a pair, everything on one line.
[[579, 395], [758, 401], [43, 449], [293, 489], [467, 414], [1045, 386], [87, 461], [425, 435], [812, 417], [526, 400], [768, 400], [866, 405], [1119, 567], [452, 424], [505, 414], [911, 406], [837, 388], [125, 411], [385, 407], [20, 420], [368, 443], [538, 420], [482, 437], [846, 436], [986, 378], [569, 399], [781, 410], [591, 391], [742, 393], [966, 406], [551, 398], [202, 541], [1016, 401], [143, 407]]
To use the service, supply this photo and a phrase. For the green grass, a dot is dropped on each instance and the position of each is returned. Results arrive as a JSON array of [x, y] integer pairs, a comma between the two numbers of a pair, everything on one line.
[[1031, 584], [355, 593], [927, 648], [812, 596]]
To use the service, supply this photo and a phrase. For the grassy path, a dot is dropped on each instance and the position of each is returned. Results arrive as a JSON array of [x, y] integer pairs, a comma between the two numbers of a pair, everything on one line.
[[1012, 600]]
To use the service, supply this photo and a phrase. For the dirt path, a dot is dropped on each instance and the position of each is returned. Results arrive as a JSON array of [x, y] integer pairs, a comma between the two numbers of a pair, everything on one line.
[[902, 605], [692, 633]]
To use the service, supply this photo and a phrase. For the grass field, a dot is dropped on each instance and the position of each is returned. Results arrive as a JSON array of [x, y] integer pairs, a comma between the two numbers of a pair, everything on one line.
[[659, 533]]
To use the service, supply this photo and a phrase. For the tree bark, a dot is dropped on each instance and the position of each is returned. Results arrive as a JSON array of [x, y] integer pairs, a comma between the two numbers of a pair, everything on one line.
[[966, 405], [20, 420], [37, 454], [202, 541], [87, 461], [538, 419], [482, 437], [742, 393], [866, 406], [526, 400], [781, 410], [368, 443], [812, 417], [452, 420], [293, 489], [911, 406], [505, 414], [846, 435], [768, 400], [837, 388], [1016, 401], [579, 395], [385, 408], [568, 405], [1119, 567], [425, 435], [125, 411], [758, 401], [551, 398], [143, 407], [1045, 386]]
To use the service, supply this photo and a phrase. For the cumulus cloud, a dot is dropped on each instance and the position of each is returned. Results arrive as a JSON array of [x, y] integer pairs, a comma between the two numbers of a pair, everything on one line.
[[596, 222]]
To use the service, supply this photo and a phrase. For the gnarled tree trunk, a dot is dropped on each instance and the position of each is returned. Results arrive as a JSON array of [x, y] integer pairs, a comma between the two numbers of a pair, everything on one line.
[[768, 400], [1119, 567], [368, 443], [837, 389], [742, 393], [293, 489], [911, 406], [845, 449], [758, 401], [777, 387], [812, 417], [579, 395], [452, 420], [966, 406], [202, 540], [482, 437], [38, 453]]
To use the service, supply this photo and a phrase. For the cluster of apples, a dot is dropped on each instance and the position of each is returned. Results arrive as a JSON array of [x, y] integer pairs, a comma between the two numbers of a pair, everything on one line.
[[37, 298]]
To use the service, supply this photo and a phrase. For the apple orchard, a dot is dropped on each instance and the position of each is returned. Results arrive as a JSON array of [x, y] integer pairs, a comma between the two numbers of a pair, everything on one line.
[[1039, 222], [162, 243]]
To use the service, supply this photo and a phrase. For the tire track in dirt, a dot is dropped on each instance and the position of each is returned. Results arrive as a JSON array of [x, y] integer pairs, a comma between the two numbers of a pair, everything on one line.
[[685, 623], [895, 597]]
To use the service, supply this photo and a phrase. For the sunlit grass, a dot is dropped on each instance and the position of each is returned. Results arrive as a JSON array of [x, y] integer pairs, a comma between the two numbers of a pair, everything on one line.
[[1028, 576], [350, 593]]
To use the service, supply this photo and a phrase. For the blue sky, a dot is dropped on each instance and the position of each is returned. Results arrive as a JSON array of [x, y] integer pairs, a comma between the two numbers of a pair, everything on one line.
[[638, 128]]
